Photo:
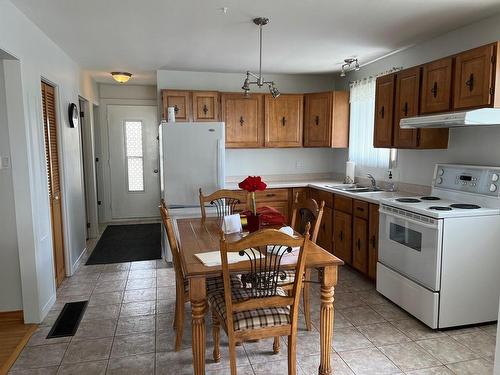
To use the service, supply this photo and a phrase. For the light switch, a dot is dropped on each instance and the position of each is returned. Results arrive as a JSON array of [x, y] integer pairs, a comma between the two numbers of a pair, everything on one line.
[[4, 162]]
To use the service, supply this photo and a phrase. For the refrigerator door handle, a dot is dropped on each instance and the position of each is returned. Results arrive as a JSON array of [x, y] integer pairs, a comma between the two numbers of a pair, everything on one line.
[[220, 163]]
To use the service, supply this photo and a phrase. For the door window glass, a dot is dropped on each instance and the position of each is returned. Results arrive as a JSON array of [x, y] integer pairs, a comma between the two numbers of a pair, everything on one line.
[[134, 155], [406, 236]]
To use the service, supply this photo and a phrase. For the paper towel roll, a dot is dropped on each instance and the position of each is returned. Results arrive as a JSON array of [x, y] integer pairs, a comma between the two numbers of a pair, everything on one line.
[[171, 114], [350, 167]]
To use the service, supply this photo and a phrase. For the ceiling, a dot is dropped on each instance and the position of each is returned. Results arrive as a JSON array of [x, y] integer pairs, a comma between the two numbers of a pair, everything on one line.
[[304, 36]]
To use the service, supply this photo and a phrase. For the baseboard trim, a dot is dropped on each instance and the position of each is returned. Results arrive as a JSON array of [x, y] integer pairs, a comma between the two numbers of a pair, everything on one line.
[[47, 307], [11, 316]]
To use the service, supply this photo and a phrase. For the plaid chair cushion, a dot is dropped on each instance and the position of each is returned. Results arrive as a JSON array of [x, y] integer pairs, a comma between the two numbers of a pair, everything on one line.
[[215, 283], [251, 319]]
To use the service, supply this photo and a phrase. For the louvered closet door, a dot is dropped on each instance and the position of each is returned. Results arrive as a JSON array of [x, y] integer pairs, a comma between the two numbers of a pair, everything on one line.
[[53, 178]]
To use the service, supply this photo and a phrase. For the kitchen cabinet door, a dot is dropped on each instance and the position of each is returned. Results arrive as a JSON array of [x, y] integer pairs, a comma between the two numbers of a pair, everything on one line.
[[436, 86], [244, 120], [360, 245], [342, 236], [384, 111], [474, 72], [373, 241], [205, 106], [325, 230], [318, 119], [406, 105], [283, 120], [181, 101]]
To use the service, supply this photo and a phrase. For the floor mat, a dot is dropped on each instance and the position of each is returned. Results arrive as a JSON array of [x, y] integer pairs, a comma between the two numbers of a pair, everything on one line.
[[68, 320], [127, 243]]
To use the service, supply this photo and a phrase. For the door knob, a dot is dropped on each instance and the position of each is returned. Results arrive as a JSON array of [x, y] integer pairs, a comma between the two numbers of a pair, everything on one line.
[[155, 170]]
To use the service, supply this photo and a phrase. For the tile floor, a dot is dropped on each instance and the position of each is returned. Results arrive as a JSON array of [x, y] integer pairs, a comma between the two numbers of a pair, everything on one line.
[[127, 329]]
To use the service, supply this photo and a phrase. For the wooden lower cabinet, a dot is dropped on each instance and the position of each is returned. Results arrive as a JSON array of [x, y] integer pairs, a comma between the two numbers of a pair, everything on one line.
[[325, 230], [342, 236], [360, 245], [373, 241]]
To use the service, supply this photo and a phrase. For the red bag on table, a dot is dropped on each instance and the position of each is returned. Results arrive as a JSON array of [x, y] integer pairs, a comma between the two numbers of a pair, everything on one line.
[[269, 216]]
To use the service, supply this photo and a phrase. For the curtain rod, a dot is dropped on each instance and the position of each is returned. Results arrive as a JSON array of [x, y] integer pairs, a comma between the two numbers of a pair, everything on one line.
[[392, 70]]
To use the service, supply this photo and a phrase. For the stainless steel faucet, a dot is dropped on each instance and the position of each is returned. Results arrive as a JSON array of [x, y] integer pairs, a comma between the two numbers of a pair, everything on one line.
[[372, 179]]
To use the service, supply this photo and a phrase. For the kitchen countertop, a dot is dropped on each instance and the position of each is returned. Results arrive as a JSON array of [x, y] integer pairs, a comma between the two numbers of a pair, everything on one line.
[[372, 197]]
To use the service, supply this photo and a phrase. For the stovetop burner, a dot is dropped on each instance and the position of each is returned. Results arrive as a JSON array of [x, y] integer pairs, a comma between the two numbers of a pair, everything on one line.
[[440, 208], [430, 198], [465, 206], [408, 200]]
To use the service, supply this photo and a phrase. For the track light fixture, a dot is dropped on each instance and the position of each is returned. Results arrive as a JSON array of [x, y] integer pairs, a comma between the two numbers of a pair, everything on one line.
[[260, 21], [349, 65]]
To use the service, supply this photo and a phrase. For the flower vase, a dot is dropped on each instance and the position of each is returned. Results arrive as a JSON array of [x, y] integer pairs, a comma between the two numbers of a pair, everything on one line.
[[253, 223]]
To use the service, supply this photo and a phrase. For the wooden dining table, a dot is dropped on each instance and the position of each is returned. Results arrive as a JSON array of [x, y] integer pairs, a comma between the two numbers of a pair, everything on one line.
[[197, 236]]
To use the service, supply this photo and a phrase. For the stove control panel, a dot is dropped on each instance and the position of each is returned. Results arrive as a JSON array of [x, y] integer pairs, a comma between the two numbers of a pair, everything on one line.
[[470, 179]]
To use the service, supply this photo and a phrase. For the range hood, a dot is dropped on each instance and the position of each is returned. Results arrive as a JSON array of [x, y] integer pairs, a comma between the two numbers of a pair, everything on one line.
[[475, 117]]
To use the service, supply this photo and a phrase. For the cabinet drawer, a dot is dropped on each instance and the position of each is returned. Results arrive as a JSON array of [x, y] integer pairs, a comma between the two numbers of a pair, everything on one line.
[[271, 195], [361, 209], [320, 195], [343, 204]]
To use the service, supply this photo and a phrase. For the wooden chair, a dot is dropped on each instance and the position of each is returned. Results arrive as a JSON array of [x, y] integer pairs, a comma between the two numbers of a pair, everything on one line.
[[181, 282], [263, 309], [304, 212], [225, 201]]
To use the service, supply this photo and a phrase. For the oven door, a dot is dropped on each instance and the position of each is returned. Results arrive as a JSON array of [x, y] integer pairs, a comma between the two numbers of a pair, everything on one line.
[[411, 245]]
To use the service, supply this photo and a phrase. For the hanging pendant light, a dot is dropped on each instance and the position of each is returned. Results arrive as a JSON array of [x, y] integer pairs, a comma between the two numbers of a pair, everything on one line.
[[121, 77], [260, 21]]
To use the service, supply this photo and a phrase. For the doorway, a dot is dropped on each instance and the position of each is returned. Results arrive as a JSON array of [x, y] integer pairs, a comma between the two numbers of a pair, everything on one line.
[[53, 177], [133, 161]]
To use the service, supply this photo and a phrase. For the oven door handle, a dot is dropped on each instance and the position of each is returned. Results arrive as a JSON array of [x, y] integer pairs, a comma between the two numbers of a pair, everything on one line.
[[410, 220]]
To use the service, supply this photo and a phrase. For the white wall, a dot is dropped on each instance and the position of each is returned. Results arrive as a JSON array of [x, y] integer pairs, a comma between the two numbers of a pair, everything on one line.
[[39, 58], [470, 146], [10, 273], [261, 161]]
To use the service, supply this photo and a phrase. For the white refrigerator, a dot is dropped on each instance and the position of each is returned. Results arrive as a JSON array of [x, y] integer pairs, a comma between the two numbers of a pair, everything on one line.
[[191, 157]]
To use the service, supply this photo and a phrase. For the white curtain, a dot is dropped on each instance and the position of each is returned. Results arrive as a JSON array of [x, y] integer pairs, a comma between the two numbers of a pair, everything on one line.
[[361, 150]]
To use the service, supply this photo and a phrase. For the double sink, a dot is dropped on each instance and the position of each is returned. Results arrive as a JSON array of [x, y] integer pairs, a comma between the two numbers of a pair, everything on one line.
[[354, 188]]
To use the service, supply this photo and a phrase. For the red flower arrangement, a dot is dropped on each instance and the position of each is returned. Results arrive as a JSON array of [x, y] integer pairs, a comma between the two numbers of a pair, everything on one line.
[[253, 184]]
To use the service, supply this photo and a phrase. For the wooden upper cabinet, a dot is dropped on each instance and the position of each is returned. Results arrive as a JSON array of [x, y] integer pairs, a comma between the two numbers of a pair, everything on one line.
[[384, 111], [205, 106], [244, 118], [181, 101], [436, 86], [326, 119], [283, 120], [406, 105], [474, 77]]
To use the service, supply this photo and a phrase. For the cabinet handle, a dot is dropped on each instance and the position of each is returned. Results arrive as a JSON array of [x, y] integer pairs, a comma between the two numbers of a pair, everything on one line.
[[341, 236], [360, 209], [241, 120], [470, 82], [359, 244], [434, 89], [283, 121], [176, 109], [316, 120], [405, 109], [270, 195], [205, 109], [374, 241], [382, 112]]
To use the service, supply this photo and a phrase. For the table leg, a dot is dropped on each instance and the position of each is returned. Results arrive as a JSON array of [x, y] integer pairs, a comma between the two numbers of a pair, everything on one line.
[[326, 318], [198, 297]]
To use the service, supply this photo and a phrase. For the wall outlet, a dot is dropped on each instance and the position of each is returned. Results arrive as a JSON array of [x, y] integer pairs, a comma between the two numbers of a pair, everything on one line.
[[4, 162]]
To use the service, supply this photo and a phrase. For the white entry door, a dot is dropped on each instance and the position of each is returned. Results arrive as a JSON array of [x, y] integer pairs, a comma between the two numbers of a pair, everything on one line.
[[133, 161]]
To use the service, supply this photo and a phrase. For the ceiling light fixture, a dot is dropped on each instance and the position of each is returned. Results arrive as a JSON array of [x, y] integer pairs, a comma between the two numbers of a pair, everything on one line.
[[349, 65], [121, 77], [260, 21]]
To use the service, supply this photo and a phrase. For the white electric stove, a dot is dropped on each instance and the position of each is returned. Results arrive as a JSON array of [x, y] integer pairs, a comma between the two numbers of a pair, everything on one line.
[[439, 255]]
